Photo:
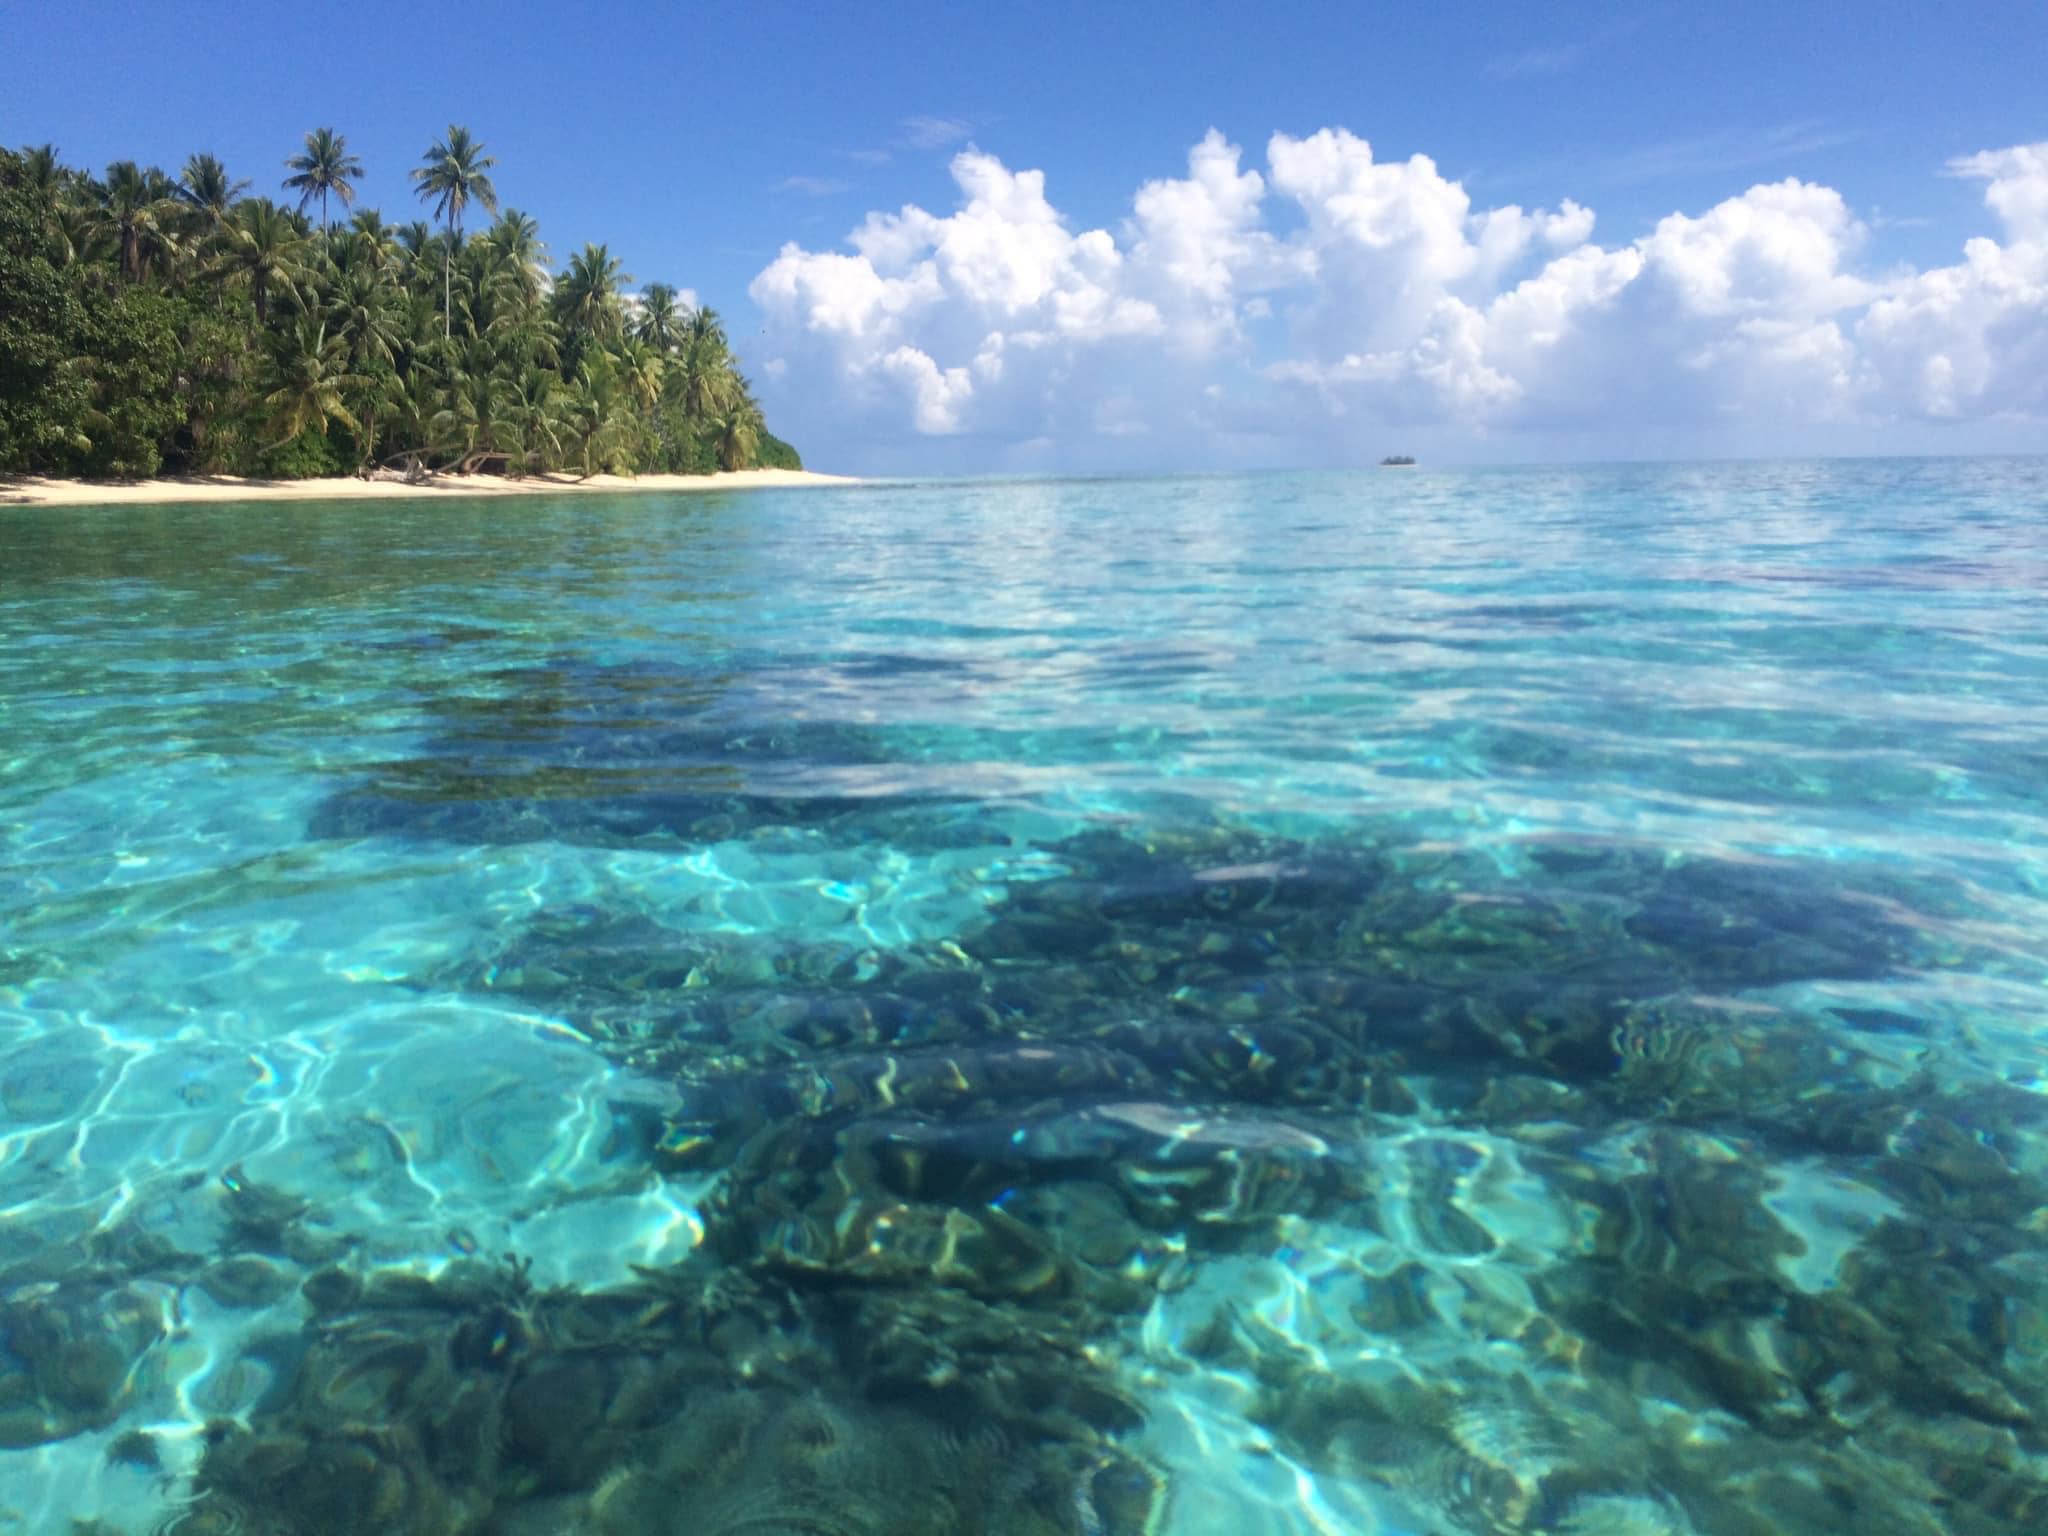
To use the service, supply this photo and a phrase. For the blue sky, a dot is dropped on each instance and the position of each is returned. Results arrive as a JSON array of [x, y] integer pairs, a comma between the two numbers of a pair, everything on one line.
[[698, 140]]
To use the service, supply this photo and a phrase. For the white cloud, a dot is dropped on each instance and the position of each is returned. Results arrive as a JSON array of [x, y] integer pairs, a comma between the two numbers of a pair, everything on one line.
[[936, 394], [2019, 186], [1971, 340], [934, 132], [1198, 255], [1775, 250], [1288, 312], [813, 186]]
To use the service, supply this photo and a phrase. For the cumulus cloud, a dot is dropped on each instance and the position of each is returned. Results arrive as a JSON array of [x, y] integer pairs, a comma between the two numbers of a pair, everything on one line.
[[2019, 186], [1971, 340], [1299, 310]]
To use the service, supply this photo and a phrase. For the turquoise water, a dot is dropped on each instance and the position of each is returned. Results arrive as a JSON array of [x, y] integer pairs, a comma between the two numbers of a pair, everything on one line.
[[1443, 1002]]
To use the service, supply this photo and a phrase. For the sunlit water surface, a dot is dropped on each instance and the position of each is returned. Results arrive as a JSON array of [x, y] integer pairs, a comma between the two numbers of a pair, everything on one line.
[[1429, 1002]]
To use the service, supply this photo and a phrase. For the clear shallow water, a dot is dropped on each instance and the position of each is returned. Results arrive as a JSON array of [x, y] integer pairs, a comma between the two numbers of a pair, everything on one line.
[[1426, 1003]]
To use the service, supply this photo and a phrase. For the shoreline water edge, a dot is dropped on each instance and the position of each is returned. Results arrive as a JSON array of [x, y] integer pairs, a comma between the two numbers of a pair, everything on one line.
[[46, 491]]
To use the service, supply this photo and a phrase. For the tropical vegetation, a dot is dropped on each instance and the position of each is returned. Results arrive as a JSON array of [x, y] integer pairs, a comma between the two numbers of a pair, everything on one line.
[[153, 322]]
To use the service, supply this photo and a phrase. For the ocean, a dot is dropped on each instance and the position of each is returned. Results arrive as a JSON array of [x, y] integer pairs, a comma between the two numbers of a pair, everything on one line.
[[1446, 1002]]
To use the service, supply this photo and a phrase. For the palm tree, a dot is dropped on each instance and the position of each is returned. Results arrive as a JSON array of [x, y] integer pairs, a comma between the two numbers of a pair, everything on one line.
[[414, 238], [421, 341], [325, 167], [133, 204], [365, 310], [42, 173], [44, 179], [596, 422], [534, 411], [494, 284], [739, 432], [526, 334], [704, 367], [456, 255], [72, 230], [451, 176], [172, 240], [587, 298], [413, 402], [371, 244], [206, 186], [643, 370], [364, 313], [76, 234], [213, 377], [478, 413], [660, 320], [517, 235], [263, 244], [305, 377]]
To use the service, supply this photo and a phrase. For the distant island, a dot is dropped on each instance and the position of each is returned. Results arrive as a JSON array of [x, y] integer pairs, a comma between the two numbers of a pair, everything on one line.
[[156, 324], [1397, 461]]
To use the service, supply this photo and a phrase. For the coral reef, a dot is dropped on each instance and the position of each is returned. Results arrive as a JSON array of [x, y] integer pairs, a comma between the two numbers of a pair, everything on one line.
[[694, 1402], [1548, 1191]]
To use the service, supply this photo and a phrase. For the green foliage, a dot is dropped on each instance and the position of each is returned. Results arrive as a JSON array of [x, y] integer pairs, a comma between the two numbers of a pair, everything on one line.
[[773, 453], [151, 323], [218, 436], [263, 247], [309, 456], [586, 300], [130, 363], [206, 185], [696, 450], [137, 211], [324, 170], [42, 399], [305, 380], [453, 174]]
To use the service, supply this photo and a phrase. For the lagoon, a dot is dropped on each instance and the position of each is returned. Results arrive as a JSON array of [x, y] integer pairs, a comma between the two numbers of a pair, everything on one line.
[[1497, 1000]]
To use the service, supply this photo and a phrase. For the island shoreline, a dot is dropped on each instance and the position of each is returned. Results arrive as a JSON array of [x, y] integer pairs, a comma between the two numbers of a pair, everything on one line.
[[45, 491]]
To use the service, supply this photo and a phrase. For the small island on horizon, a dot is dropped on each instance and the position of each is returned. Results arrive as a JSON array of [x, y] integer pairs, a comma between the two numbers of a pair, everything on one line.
[[1397, 461], [159, 325]]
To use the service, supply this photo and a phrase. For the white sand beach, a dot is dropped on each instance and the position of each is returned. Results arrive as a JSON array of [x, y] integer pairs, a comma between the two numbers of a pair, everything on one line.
[[39, 491]]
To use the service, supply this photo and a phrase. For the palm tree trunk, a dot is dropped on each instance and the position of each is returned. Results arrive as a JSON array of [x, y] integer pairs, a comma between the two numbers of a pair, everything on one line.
[[448, 280]]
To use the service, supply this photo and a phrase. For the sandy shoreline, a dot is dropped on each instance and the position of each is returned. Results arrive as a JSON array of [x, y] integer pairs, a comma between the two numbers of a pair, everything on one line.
[[37, 491]]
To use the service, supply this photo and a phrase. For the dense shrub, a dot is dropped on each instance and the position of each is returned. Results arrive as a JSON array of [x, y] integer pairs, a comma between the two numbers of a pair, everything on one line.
[[308, 456], [130, 364], [773, 453], [42, 399]]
